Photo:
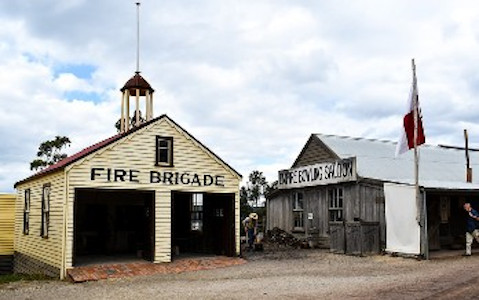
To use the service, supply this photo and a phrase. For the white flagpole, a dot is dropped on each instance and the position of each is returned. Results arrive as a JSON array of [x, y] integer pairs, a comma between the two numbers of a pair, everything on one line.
[[416, 150]]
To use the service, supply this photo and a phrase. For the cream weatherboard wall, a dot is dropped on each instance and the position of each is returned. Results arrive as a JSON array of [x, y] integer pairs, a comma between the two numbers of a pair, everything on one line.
[[137, 151], [7, 218], [45, 250]]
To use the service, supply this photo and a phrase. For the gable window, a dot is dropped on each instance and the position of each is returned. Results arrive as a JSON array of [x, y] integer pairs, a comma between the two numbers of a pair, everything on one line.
[[45, 210], [197, 212], [335, 199], [164, 151], [298, 211], [26, 212]]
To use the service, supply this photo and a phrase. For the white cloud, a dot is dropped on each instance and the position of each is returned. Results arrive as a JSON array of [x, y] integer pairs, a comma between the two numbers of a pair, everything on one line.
[[250, 79]]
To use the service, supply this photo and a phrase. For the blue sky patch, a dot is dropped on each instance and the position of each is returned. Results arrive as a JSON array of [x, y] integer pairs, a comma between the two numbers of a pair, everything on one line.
[[82, 71], [79, 95]]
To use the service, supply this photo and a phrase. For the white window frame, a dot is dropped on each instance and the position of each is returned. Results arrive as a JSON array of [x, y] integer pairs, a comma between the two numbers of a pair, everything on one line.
[[26, 212], [46, 193], [197, 210], [336, 205], [298, 211]]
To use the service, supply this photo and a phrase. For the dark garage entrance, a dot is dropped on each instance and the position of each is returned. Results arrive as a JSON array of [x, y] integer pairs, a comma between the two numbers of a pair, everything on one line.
[[202, 223], [113, 225], [446, 219]]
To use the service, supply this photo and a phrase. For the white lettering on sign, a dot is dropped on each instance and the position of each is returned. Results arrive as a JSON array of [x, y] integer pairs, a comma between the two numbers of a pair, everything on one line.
[[319, 174]]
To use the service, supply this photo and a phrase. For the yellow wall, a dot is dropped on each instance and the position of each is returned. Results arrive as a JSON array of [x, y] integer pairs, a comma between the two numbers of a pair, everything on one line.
[[7, 217], [47, 250], [137, 151]]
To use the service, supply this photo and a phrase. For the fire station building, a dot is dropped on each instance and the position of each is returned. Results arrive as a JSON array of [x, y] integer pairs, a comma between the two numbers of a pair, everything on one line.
[[150, 192]]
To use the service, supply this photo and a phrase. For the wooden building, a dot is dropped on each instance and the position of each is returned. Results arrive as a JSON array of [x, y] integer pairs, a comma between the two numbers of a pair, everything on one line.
[[152, 191], [335, 193], [7, 208]]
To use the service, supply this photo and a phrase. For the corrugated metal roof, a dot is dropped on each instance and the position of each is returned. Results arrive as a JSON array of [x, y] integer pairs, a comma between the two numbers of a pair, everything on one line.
[[439, 167]]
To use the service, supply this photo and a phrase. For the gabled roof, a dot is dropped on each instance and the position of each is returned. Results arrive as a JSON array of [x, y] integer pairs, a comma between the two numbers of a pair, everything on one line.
[[95, 147], [314, 151], [439, 167]]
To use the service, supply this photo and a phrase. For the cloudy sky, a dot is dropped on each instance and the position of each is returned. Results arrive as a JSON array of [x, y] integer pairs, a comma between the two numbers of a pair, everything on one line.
[[250, 79]]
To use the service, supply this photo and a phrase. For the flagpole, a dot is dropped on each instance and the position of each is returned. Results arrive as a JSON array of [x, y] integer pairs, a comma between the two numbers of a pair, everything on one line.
[[416, 152]]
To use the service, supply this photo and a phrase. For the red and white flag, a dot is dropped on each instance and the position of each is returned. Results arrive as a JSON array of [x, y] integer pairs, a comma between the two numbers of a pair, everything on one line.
[[406, 141]]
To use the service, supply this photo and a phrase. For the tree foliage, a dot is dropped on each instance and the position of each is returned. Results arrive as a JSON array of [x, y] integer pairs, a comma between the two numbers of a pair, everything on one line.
[[50, 152], [252, 194], [132, 121]]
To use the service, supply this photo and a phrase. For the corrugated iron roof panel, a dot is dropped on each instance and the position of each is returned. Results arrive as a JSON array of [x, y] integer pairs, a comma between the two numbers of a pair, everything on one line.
[[439, 167]]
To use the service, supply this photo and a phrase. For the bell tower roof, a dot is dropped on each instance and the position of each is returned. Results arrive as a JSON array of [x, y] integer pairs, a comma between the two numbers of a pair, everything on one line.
[[137, 82]]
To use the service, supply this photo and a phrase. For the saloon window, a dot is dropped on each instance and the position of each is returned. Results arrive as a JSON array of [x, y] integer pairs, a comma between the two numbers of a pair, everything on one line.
[[298, 211], [164, 151], [197, 212], [335, 199], [26, 212], [45, 210]]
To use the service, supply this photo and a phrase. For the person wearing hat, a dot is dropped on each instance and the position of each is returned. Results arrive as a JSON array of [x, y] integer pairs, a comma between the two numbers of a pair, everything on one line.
[[250, 225]]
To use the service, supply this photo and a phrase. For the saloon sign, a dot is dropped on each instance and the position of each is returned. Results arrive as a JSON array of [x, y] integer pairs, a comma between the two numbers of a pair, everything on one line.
[[319, 174]]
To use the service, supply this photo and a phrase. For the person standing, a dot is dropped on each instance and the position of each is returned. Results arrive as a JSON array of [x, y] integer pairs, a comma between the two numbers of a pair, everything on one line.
[[472, 230], [250, 226]]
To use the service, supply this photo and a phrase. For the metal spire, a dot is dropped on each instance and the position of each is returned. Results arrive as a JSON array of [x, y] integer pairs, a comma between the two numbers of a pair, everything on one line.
[[137, 37]]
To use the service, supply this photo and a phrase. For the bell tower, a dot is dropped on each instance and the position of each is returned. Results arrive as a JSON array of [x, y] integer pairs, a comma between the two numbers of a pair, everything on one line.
[[136, 88]]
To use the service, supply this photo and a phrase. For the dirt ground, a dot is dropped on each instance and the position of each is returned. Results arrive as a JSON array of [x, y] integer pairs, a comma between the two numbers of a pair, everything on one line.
[[281, 274]]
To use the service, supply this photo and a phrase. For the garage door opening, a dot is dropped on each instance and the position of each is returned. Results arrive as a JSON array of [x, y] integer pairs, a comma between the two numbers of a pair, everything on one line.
[[202, 223], [113, 226], [446, 221]]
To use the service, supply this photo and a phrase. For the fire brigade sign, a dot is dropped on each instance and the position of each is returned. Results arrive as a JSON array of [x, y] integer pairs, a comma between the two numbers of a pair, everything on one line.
[[319, 174]]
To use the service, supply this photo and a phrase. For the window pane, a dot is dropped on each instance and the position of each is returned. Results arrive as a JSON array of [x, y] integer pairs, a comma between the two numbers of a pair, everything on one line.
[[199, 199], [298, 219], [163, 155], [196, 225], [300, 201], [46, 198], [164, 150]]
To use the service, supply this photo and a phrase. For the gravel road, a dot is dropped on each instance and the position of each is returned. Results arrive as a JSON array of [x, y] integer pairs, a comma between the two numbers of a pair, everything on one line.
[[298, 274]]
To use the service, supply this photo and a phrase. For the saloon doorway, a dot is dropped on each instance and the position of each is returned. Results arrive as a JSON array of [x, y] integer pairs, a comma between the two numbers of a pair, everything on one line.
[[202, 223], [113, 226]]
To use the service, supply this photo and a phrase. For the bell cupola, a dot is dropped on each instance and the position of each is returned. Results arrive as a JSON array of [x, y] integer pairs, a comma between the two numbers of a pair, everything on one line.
[[136, 90]]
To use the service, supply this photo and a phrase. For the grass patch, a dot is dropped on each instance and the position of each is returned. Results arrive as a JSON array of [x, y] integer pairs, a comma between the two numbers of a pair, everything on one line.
[[22, 277]]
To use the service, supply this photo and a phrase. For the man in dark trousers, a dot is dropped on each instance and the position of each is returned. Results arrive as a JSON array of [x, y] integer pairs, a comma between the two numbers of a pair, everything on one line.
[[250, 226], [472, 229]]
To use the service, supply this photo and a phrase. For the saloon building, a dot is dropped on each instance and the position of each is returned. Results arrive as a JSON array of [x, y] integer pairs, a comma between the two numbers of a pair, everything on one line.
[[354, 196], [151, 192]]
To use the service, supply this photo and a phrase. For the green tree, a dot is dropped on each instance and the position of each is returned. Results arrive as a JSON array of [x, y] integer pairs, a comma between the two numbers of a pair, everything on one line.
[[257, 186], [132, 121], [245, 208], [50, 152]]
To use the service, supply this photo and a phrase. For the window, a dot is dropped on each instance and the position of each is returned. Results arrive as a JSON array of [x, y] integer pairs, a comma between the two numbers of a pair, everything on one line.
[[298, 211], [26, 212], [197, 212], [45, 210], [335, 197], [164, 151]]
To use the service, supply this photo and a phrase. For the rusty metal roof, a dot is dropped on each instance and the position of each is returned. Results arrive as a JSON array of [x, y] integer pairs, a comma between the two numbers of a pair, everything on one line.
[[137, 82], [91, 149]]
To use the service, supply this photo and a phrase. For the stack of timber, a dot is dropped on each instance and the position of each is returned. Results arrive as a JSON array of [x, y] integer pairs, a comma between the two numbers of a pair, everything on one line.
[[280, 237]]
